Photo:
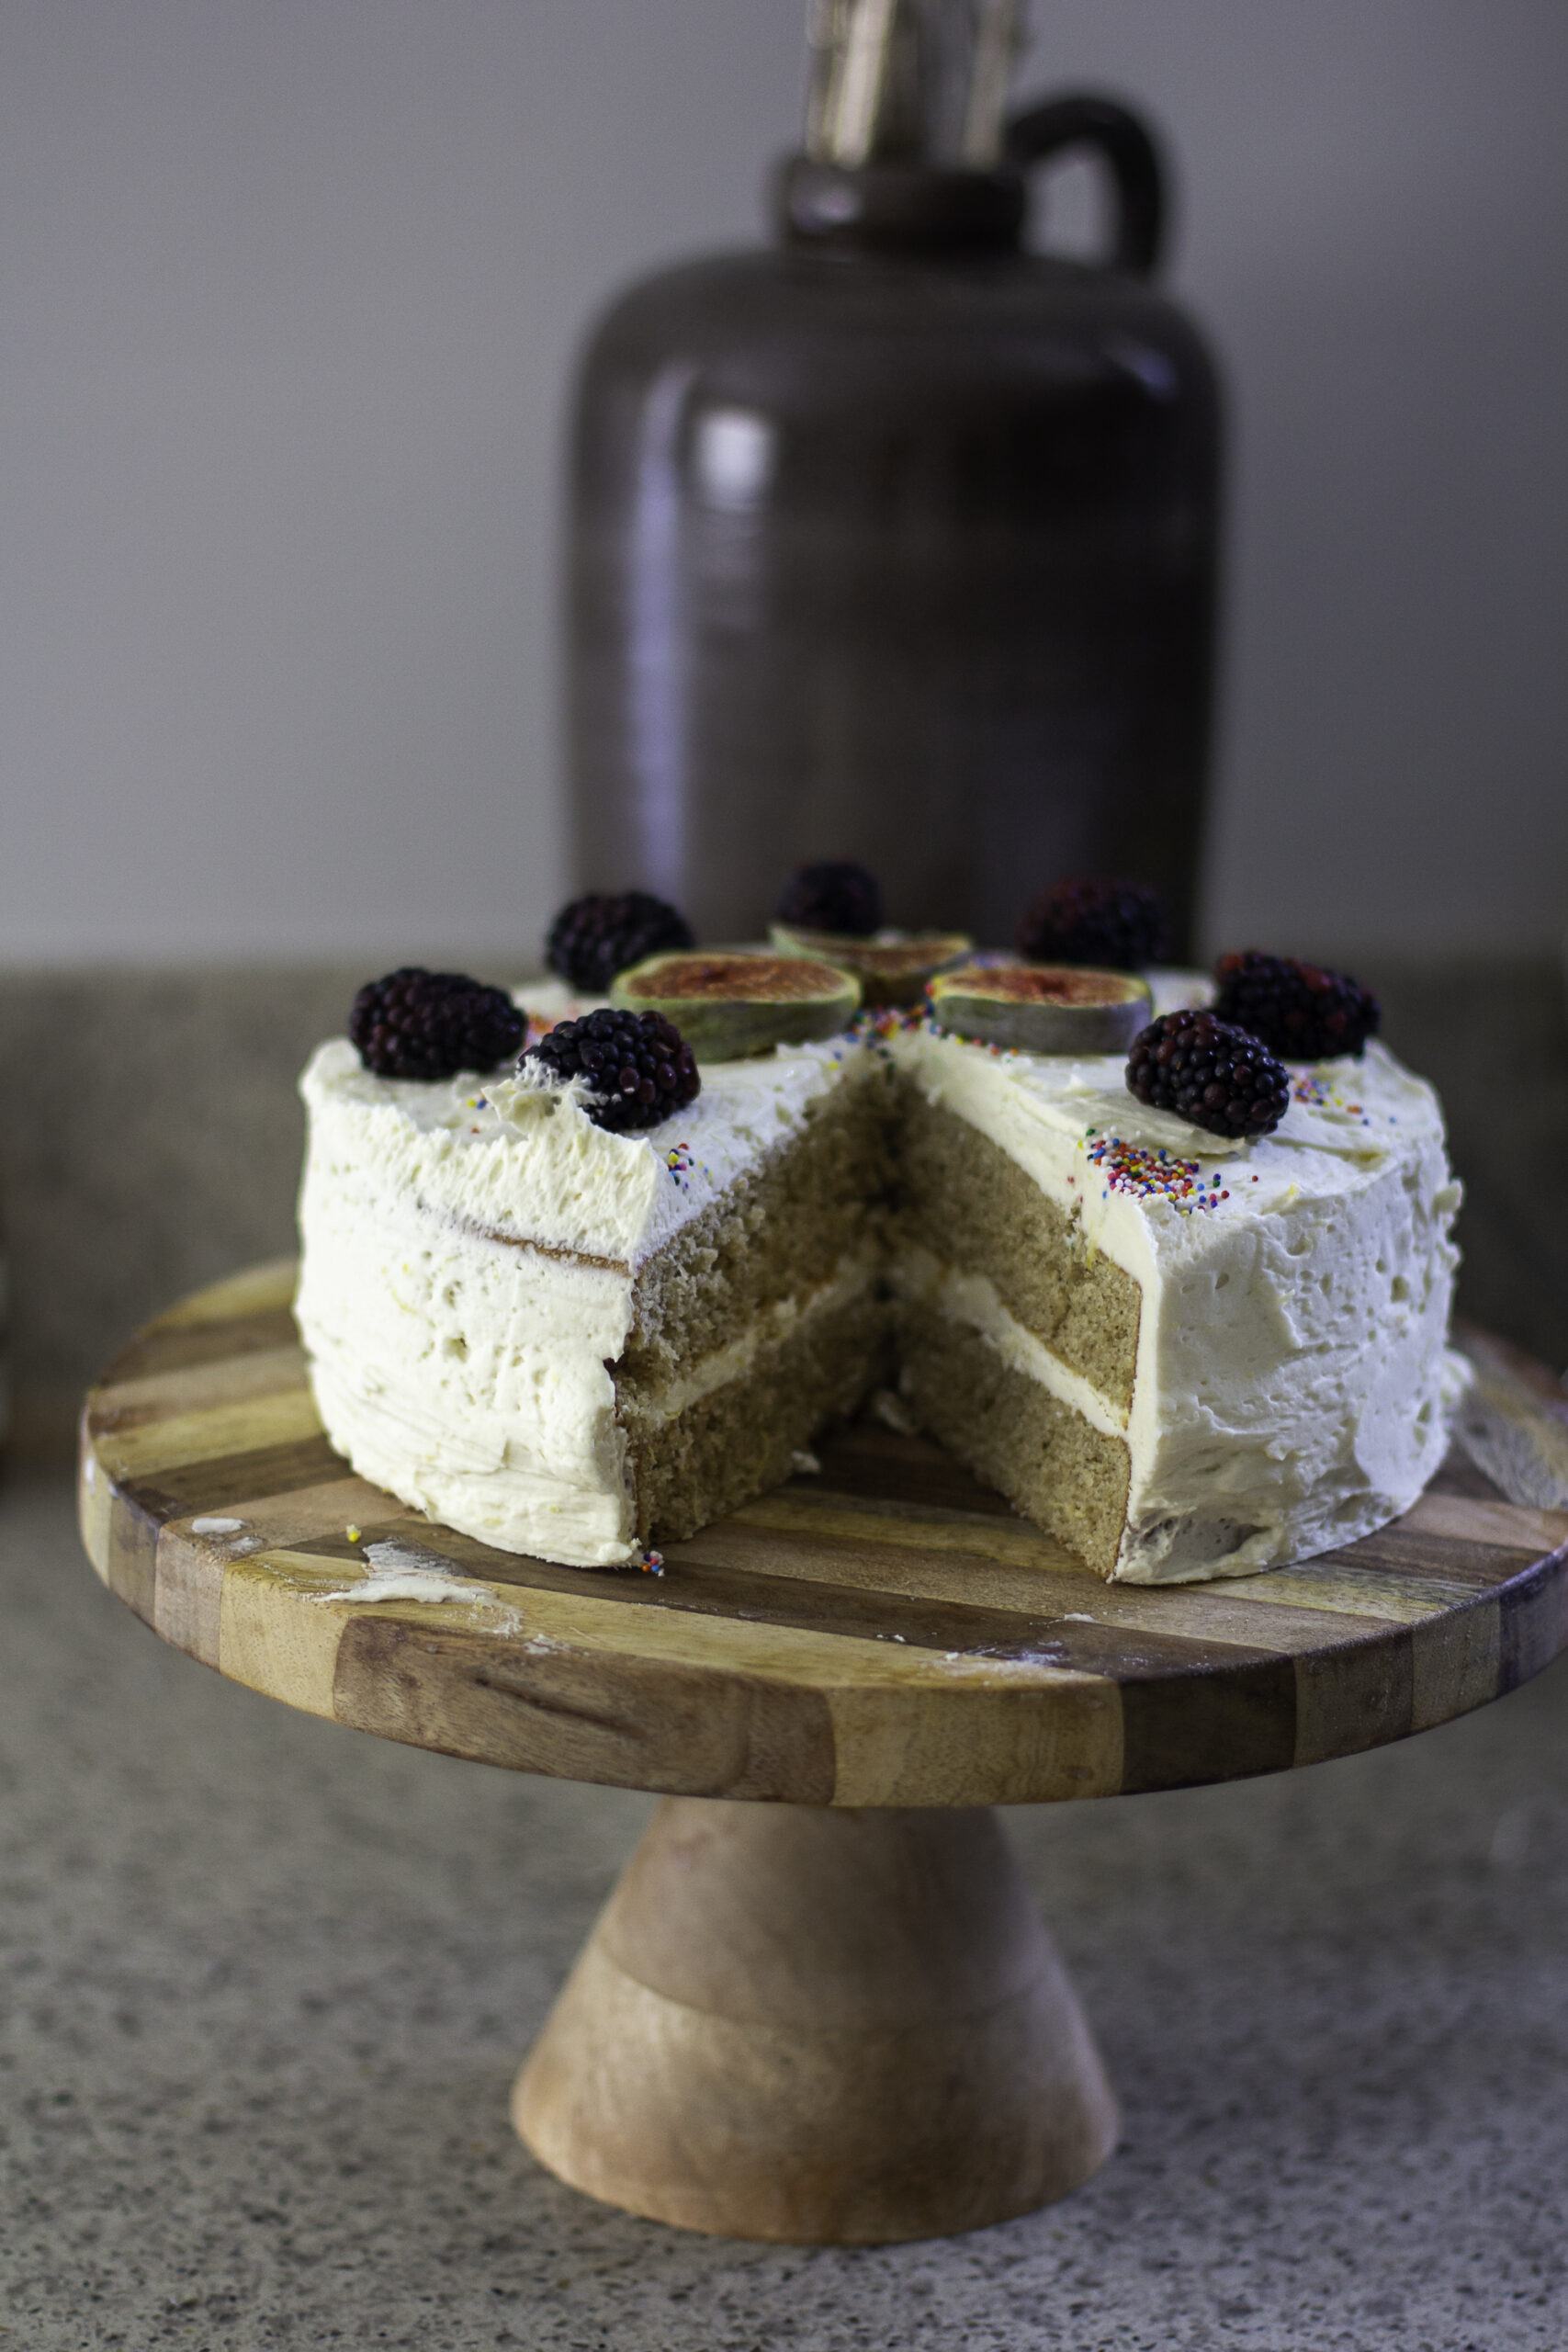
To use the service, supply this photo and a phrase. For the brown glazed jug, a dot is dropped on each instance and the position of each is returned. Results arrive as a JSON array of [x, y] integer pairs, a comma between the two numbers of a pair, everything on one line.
[[898, 542]]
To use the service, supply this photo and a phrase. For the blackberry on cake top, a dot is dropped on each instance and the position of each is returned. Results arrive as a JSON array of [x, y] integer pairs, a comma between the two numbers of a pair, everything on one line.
[[1209, 1073], [638, 1067], [1304, 1012], [1118, 926], [415, 1024], [832, 895], [594, 937]]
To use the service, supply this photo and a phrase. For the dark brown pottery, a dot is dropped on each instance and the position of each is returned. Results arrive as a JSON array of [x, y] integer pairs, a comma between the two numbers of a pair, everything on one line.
[[899, 543]]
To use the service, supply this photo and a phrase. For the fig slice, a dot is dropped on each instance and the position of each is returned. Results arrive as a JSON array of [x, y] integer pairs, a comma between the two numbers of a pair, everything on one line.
[[1043, 1008], [892, 968], [730, 1003]]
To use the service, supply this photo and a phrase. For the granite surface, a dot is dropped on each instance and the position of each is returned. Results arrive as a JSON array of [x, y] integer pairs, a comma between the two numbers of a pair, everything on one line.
[[265, 1982], [152, 1140]]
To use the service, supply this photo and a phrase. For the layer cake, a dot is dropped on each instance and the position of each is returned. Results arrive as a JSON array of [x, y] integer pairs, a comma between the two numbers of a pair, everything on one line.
[[1187, 1356]]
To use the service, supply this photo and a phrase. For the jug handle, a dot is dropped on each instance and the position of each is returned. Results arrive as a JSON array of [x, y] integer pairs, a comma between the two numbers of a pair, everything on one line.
[[1127, 145]]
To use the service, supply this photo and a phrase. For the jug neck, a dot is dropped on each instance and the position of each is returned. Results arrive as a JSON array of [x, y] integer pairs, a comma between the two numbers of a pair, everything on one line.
[[898, 207]]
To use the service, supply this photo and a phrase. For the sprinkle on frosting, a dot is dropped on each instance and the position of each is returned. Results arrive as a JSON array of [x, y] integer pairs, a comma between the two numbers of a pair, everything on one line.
[[683, 1165], [1317, 1095], [1155, 1175], [651, 1564], [877, 1028]]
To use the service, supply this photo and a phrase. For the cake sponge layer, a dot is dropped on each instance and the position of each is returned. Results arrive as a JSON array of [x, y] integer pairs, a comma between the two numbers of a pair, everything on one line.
[[740, 1439], [780, 1232], [1069, 1476], [962, 1198]]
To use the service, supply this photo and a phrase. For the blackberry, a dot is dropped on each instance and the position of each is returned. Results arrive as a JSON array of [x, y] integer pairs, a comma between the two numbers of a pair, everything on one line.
[[638, 1065], [1302, 1011], [832, 895], [1117, 925], [1207, 1073], [416, 1023], [595, 937]]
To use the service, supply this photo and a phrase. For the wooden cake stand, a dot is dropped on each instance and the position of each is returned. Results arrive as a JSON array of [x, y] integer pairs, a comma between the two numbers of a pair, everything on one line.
[[819, 2006]]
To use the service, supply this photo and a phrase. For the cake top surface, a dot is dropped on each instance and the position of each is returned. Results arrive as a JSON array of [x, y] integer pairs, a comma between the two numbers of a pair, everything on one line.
[[507, 1156], [1074, 1127]]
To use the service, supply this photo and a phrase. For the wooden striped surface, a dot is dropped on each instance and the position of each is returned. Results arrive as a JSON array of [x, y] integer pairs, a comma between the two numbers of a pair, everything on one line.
[[885, 1632]]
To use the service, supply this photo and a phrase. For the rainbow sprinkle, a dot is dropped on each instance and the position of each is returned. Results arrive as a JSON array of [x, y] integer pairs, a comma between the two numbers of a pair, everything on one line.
[[1154, 1175], [682, 1164], [1316, 1095], [652, 1564], [886, 1020]]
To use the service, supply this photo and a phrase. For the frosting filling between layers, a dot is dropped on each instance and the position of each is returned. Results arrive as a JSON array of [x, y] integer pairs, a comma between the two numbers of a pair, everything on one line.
[[974, 1299], [776, 1324]]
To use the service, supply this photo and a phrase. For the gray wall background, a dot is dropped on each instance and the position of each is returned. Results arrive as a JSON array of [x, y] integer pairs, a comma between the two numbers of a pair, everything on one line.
[[289, 291]]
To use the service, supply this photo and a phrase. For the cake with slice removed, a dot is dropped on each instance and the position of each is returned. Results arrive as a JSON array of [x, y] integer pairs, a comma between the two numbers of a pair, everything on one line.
[[1188, 1355]]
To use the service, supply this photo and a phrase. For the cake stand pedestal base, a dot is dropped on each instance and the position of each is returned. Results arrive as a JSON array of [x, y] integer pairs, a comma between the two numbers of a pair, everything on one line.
[[819, 2026]]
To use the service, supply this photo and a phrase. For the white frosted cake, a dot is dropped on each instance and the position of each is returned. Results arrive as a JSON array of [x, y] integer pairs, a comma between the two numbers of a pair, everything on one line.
[[1187, 1356]]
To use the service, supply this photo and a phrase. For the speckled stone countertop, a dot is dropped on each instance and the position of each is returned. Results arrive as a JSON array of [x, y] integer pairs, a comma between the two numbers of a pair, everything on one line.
[[265, 1982]]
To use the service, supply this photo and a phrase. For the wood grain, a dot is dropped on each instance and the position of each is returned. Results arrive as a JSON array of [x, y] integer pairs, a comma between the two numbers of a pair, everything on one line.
[[824, 2026], [882, 1633]]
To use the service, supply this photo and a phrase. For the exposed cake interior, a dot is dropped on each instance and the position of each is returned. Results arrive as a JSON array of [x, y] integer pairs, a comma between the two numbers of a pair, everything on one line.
[[1018, 1341], [760, 1320]]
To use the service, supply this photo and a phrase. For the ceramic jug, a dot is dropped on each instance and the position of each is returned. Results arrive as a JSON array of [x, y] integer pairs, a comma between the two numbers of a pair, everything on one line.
[[896, 542]]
